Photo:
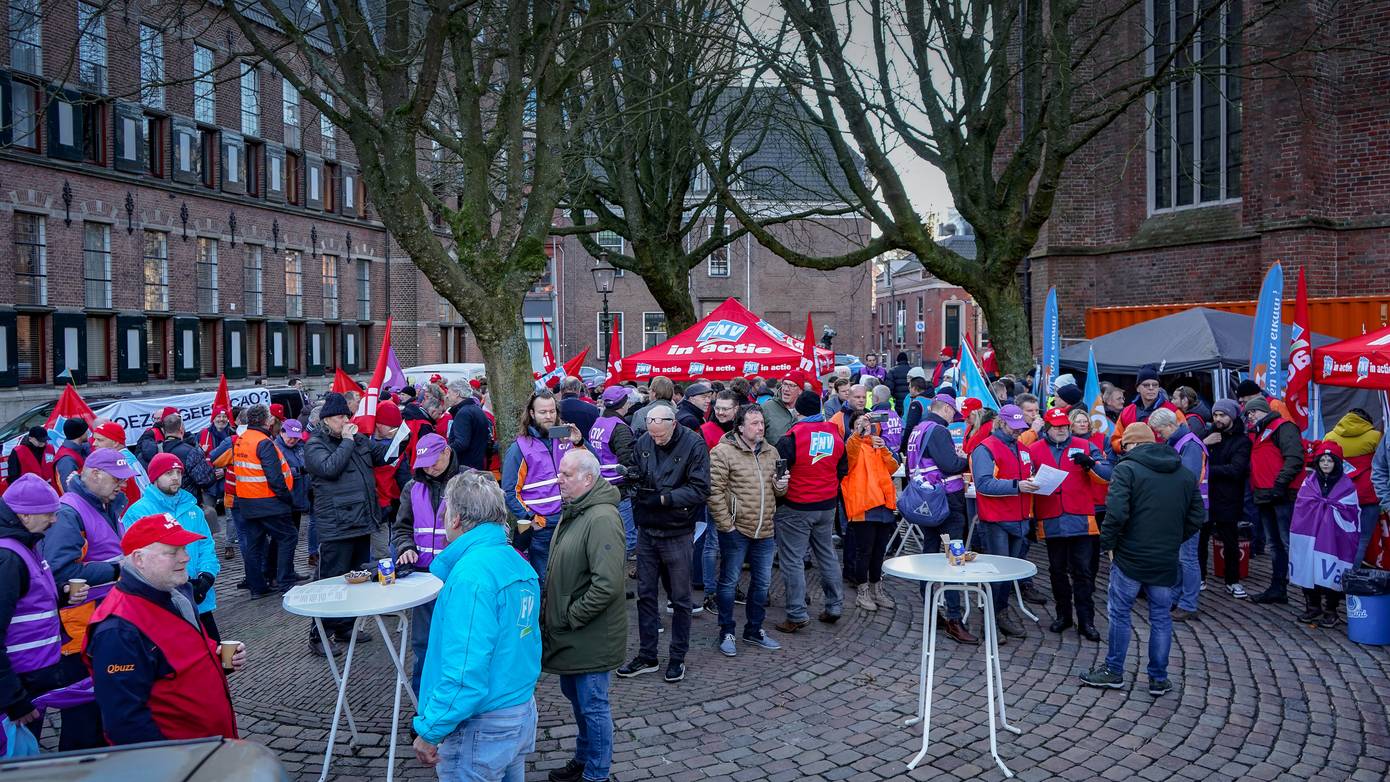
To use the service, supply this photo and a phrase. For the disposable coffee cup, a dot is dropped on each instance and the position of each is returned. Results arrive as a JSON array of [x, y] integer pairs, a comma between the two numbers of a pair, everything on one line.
[[75, 584], [227, 649]]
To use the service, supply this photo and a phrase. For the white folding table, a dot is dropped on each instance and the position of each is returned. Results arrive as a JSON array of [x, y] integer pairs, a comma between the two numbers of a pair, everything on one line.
[[972, 578], [333, 598]]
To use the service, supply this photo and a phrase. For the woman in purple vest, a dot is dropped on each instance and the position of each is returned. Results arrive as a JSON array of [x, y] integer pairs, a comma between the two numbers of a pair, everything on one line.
[[530, 473], [29, 600], [418, 534]]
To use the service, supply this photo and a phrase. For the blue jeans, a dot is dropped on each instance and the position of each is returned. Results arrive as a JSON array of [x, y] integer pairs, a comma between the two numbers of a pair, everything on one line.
[[798, 530], [1120, 602], [1370, 514], [734, 548], [593, 746], [1004, 539], [629, 528], [313, 535], [704, 563], [539, 549], [420, 640], [1191, 584], [490, 747]]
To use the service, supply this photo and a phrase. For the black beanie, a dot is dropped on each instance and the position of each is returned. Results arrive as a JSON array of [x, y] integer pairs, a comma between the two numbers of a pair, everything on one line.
[[1146, 372], [1069, 394], [74, 428], [902, 357], [808, 403], [1248, 388], [334, 403]]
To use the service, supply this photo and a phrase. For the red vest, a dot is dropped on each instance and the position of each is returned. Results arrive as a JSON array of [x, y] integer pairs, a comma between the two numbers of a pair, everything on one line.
[[1009, 466], [76, 456], [1359, 468], [813, 476], [387, 491], [28, 463], [408, 449], [1266, 460], [1074, 495], [194, 703]]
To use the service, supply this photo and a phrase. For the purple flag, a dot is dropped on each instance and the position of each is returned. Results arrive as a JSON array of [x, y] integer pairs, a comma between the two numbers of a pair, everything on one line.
[[395, 376], [1323, 534]]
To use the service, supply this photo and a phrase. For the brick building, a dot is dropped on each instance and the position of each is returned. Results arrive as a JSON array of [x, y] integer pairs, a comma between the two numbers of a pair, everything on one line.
[[916, 313], [155, 234], [1192, 197]]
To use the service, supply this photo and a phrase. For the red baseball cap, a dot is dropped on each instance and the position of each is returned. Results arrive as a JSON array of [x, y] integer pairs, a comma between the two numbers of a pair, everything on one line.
[[1057, 416], [166, 412], [111, 431], [156, 528], [278, 410]]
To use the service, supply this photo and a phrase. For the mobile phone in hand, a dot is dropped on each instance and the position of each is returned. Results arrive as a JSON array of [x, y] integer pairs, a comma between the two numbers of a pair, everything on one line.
[[559, 433], [781, 468]]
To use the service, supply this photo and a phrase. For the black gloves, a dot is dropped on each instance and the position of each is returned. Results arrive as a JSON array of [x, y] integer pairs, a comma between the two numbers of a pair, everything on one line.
[[201, 586], [1083, 460]]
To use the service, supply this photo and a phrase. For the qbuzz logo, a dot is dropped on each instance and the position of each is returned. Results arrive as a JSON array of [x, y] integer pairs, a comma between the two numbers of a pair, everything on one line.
[[721, 331], [822, 444]]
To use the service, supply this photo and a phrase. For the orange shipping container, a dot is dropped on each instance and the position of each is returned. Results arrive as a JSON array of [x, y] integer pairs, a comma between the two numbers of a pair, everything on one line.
[[1340, 317]]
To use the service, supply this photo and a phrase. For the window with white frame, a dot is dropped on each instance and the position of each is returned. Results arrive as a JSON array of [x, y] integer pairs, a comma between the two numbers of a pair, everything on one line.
[[718, 262], [26, 36], [25, 111], [364, 289], [326, 129], [330, 286], [151, 66], [252, 273], [610, 241], [615, 327], [653, 329], [31, 259], [96, 263], [156, 257], [250, 100], [91, 47], [294, 285], [1195, 127], [206, 273], [204, 86], [290, 103]]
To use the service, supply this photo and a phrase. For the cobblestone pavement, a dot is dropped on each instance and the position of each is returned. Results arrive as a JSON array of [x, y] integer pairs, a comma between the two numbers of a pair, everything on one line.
[[1257, 696]]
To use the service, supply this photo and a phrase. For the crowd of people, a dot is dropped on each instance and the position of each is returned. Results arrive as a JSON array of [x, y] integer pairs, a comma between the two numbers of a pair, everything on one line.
[[110, 556]]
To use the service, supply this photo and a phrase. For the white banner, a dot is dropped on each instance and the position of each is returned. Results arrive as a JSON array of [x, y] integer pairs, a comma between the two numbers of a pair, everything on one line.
[[137, 415]]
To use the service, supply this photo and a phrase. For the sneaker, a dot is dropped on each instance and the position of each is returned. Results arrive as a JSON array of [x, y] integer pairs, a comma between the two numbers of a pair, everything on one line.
[[675, 671], [1007, 627], [1237, 591], [711, 604], [881, 597], [726, 646], [1202, 587], [1181, 615], [864, 599], [1032, 595], [670, 607], [1329, 619], [1311, 616], [572, 772], [1103, 677], [761, 638], [1271, 597], [740, 597], [1160, 687], [697, 608], [637, 667]]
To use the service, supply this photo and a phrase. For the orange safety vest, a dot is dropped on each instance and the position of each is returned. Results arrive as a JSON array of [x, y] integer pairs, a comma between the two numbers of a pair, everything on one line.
[[251, 483]]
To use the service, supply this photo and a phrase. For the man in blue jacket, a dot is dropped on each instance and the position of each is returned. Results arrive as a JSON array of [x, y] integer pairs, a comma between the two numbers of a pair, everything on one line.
[[470, 433], [477, 715]]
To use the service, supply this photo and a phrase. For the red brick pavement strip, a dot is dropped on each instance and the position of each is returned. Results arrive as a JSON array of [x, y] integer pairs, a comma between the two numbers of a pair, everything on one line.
[[1257, 697]]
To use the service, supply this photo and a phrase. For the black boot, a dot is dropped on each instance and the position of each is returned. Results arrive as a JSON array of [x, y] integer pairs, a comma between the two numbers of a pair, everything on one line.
[[1314, 610], [1060, 624]]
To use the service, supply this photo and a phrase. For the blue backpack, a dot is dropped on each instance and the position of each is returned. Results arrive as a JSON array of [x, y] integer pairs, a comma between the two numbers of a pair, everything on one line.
[[923, 500]]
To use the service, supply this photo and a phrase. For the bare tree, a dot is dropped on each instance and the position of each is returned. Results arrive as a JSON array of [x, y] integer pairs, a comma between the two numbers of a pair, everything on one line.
[[455, 109], [998, 95]]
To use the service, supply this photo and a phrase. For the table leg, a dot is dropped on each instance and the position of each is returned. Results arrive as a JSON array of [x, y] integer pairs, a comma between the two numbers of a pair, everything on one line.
[[935, 597], [403, 623], [1018, 591], [341, 705], [991, 671]]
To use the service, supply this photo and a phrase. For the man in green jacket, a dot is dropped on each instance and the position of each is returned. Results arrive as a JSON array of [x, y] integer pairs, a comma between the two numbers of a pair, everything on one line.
[[1152, 507], [584, 620], [779, 412]]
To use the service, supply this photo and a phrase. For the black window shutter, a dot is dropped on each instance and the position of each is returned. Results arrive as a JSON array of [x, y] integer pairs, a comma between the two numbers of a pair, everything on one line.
[[64, 101], [9, 372], [66, 324], [187, 362], [130, 119], [234, 348], [276, 368], [233, 147], [131, 332]]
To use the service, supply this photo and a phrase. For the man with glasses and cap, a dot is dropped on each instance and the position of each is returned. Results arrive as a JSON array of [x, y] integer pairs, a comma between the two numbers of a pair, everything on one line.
[[418, 532], [1004, 500]]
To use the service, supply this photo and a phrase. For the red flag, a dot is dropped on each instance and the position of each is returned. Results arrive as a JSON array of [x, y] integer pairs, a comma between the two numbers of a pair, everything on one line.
[[342, 383], [367, 409], [572, 366], [1296, 391], [70, 405], [808, 356], [547, 352], [222, 400], [615, 357]]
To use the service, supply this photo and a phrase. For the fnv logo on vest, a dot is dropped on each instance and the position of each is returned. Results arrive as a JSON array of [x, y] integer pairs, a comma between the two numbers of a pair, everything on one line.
[[721, 331], [822, 445]]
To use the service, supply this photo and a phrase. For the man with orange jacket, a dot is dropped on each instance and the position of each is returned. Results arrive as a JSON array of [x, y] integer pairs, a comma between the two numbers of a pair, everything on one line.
[[1067, 521], [265, 502]]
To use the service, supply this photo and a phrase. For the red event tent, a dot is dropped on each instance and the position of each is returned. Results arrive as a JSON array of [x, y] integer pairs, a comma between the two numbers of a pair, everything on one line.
[[1359, 362], [729, 342]]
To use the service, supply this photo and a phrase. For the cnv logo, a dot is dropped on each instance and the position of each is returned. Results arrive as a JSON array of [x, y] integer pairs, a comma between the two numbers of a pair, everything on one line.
[[822, 445], [721, 331]]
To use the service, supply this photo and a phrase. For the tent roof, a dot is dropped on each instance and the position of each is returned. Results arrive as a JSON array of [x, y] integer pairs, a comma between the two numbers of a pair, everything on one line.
[[1193, 340], [1362, 362], [729, 342]]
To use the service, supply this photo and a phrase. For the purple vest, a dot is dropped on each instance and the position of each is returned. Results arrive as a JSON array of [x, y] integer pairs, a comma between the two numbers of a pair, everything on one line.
[[429, 524], [103, 542], [1201, 479], [34, 638], [599, 438], [892, 430], [540, 487], [921, 467]]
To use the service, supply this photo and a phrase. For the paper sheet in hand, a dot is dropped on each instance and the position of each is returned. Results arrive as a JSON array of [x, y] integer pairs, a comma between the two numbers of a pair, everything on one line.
[[1048, 479], [700, 527], [402, 434]]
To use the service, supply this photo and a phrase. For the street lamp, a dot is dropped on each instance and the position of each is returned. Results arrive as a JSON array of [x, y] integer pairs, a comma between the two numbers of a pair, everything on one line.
[[603, 284]]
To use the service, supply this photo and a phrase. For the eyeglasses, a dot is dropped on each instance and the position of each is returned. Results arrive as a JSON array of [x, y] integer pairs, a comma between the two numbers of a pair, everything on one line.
[[651, 420]]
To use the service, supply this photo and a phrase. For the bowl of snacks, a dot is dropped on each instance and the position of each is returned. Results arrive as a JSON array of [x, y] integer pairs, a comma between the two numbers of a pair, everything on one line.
[[357, 576]]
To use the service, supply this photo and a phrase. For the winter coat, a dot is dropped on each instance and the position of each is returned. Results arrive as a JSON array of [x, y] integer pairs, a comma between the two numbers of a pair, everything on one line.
[[17, 690], [777, 420], [897, 383], [1153, 506], [1228, 470], [741, 492], [584, 622], [689, 416], [202, 554], [343, 485], [1359, 440], [672, 483], [470, 434], [1290, 444], [403, 531], [869, 483]]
